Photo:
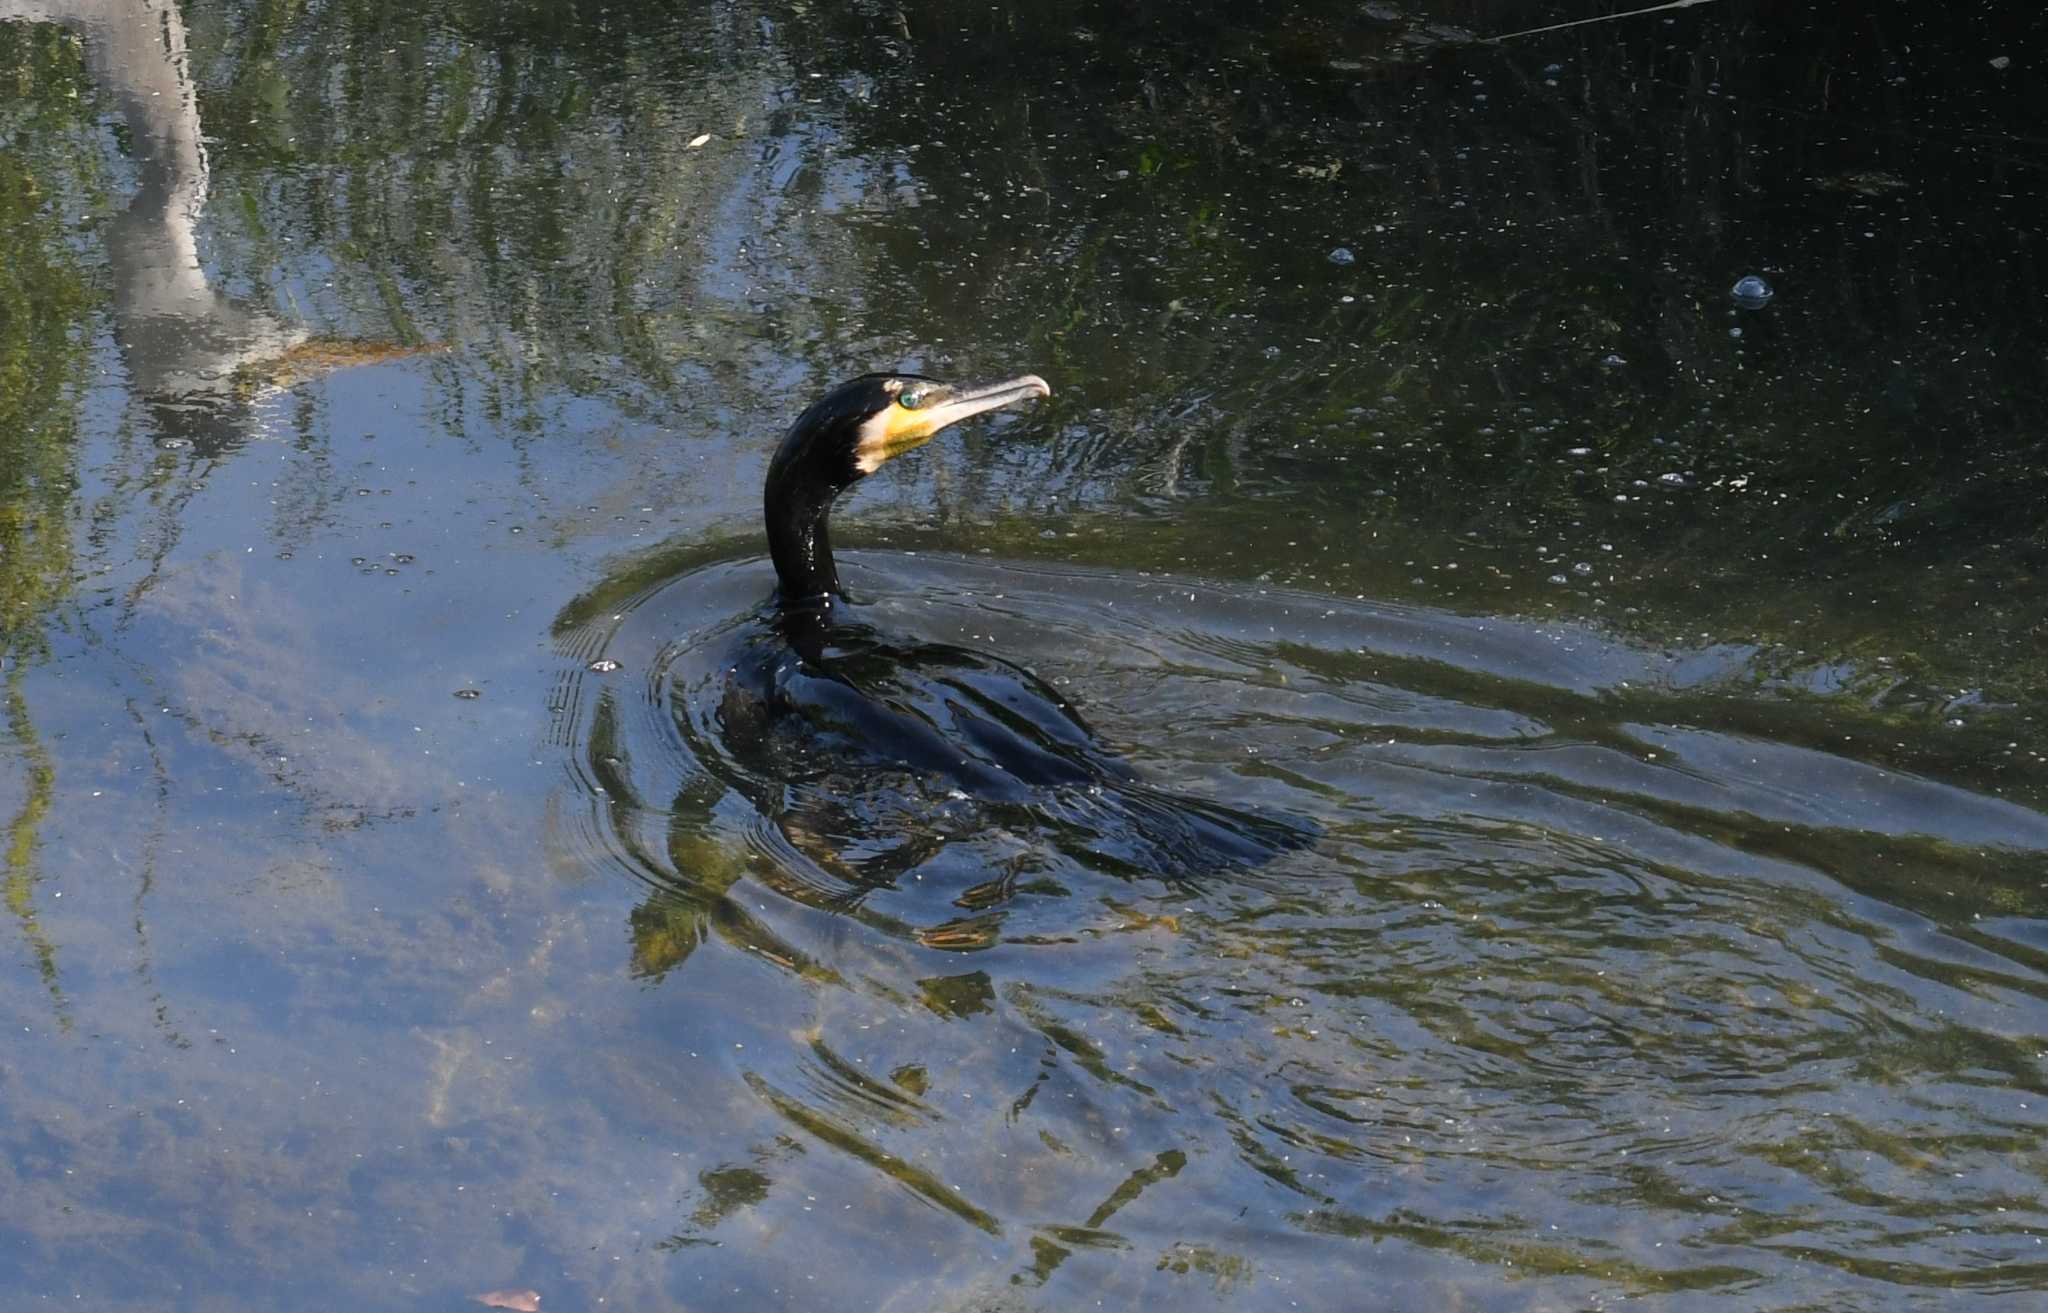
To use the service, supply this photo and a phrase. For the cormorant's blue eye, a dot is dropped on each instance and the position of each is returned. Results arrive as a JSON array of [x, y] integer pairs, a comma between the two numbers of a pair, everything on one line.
[[910, 398]]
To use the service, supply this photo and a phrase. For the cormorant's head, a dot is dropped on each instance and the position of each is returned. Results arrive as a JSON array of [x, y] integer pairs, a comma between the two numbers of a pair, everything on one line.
[[846, 434], [842, 438]]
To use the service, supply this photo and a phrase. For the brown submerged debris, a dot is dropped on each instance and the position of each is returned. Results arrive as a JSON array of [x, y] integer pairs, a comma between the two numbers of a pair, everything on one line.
[[1134, 919], [319, 356], [519, 1301], [965, 935]]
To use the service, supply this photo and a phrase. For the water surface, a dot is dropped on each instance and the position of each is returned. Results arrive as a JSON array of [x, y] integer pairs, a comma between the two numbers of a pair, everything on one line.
[[384, 397]]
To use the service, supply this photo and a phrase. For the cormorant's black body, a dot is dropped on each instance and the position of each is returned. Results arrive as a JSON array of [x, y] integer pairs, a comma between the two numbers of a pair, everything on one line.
[[841, 729], [988, 728]]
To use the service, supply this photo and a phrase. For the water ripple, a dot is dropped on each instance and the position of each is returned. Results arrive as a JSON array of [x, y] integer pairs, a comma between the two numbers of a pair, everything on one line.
[[1609, 963]]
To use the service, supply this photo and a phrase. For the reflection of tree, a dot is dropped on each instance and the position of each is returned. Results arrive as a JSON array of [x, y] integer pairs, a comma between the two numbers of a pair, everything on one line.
[[517, 178], [20, 877], [182, 338], [692, 879], [45, 298], [1542, 258], [185, 343], [1227, 150], [1056, 1243]]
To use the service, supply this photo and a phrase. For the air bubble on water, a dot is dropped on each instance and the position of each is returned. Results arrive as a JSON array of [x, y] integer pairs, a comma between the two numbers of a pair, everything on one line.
[[604, 665], [1582, 567], [1342, 255], [1751, 292], [469, 694]]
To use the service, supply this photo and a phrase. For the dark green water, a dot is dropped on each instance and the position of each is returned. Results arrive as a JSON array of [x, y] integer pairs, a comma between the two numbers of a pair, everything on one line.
[[1661, 678]]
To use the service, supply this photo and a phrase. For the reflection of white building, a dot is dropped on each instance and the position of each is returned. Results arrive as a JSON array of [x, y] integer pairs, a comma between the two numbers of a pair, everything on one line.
[[181, 339]]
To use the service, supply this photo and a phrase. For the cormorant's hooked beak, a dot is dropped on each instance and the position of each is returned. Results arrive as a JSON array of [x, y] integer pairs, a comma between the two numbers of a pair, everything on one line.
[[919, 409]]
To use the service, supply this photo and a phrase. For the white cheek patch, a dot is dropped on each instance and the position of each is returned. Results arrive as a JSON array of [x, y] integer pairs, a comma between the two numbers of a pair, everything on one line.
[[888, 433], [871, 446]]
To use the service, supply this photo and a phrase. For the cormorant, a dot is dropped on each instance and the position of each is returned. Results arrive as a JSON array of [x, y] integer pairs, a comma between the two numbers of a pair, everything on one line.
[[868, 751], [842, 438]]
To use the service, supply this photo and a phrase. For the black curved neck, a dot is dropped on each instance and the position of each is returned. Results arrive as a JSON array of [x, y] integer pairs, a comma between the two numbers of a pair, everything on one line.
[[798, 511], [815, 463]]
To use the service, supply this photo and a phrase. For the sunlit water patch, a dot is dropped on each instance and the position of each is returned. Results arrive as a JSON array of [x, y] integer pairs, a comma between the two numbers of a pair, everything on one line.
[[1598, 963]]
